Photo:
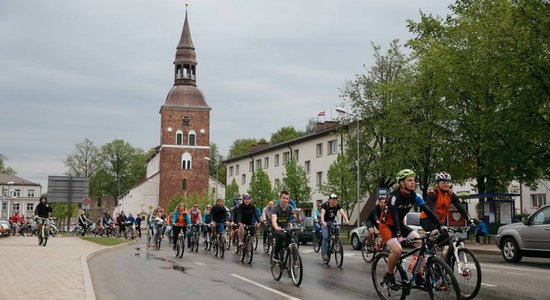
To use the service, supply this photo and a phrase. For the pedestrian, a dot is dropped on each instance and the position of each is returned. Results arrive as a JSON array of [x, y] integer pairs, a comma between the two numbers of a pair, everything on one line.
[[481, 230]]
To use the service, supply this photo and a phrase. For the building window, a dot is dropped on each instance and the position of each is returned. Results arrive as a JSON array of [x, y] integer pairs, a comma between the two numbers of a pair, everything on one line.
[[5, 205], [231, 171], [30, 206], [186, 161], [296, 152], [258, 164], [15, 207], [276, 160], [307, 166], [332, 147], [243, 179], [286, 157], [538, 200], [16, 193], [30, 193], [192, 137], [266, 162], [319, 150], [184, 184], [277, 182], [237, 170], [319, 178], [251, 166], [179, 137]]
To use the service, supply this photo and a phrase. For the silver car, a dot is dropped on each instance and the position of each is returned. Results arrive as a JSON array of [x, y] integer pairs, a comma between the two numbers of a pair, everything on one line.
[[530, 237]]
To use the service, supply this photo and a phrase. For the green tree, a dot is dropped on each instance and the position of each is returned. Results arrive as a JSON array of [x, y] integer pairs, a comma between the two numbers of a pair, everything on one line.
[[84, 162], [61, 212], [5, 169], [216, 168], [342, 182], [243, 146], [232, 190], [296, 182], [491, 60], [122, 166], [189, 201], [285, 134], [260, 188]]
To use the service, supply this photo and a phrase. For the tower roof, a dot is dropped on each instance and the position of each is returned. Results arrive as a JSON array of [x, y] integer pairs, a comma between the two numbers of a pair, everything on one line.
[[186, 50]]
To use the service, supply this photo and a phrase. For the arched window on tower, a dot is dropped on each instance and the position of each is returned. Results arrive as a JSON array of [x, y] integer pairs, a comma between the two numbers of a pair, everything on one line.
[[186, 71], [186, 161], [179, 137], [184, 184], [178, 71], [193, 72], [192, 138]]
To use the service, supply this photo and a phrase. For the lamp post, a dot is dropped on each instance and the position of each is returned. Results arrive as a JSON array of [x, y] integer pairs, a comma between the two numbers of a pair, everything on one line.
[[217, 168], [343, 111]]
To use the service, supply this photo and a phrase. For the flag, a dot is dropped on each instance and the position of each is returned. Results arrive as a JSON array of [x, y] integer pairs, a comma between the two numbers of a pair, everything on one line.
[[321, 114]]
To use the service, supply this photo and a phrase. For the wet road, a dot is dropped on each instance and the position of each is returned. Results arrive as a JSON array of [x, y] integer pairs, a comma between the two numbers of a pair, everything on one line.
[[135, 273]]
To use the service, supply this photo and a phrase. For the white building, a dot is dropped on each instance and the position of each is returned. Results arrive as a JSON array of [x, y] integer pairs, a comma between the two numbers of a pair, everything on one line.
[[315, 152], [532, 199], [18, 194]]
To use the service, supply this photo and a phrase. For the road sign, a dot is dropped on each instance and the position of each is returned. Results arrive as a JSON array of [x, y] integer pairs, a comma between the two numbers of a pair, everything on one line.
[[86, 203], [382, 192], [67, 188]]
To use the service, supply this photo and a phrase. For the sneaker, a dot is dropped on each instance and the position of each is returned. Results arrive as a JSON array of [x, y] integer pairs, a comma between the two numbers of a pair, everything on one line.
[[240, 244], [325, 258], [390, 281], [419, 281]]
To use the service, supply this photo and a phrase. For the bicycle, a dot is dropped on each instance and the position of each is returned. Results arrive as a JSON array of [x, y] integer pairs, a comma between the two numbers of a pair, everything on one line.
[[247, 248], [218, 241], [267, 237], [370, 247], [207, 237], [317, 240], [195, 237], [291, 259], [44, 231], [158, 235], [437, 274], [334, 245], [462, 261], [180, 243]]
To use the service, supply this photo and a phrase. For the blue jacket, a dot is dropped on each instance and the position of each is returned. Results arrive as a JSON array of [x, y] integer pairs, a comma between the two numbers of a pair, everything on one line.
[[175, 216]]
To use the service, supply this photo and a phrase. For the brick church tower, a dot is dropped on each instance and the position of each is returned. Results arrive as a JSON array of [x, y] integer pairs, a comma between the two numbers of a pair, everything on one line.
[[185, 129]]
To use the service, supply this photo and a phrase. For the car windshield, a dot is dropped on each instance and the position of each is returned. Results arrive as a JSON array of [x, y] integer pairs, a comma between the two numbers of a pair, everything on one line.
[[412, 219]]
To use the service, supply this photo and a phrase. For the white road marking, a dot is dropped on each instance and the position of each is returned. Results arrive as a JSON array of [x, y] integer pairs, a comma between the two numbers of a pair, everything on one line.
[[265, 287], [348, 254], [307, 251], [519, 269], [198, 263], [488, 285]]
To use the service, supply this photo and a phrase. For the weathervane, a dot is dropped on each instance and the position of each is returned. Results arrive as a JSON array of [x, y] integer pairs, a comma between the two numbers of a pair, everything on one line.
[[186, 5]]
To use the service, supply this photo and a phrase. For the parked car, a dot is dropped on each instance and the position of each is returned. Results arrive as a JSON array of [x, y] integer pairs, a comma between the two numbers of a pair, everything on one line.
[[307, 234], [5, 228], [358, 234], [530, 237]]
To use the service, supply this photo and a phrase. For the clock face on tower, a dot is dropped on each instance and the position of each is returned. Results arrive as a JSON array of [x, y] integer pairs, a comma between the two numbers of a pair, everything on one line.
[[202, 130], [169, 129]]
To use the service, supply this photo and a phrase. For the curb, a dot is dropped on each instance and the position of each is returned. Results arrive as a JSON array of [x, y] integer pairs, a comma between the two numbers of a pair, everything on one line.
[[485, 251], [86, 276]]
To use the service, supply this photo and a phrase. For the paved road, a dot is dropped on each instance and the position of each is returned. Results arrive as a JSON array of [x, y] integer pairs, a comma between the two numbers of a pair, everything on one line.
[[132, 274]]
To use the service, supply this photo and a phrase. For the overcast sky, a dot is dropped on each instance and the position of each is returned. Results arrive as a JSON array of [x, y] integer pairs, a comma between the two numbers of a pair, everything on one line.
[[101, 69]]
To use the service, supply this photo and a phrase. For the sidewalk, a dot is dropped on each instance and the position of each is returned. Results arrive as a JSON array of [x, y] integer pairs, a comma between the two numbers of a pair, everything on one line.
[[483, 248], [57, 271]]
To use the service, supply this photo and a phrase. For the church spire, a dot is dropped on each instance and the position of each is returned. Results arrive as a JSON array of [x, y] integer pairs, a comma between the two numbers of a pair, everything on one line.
[[185, 63]]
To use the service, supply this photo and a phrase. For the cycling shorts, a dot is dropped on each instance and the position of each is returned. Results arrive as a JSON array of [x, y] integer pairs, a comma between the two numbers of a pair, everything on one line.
[[387, 231]]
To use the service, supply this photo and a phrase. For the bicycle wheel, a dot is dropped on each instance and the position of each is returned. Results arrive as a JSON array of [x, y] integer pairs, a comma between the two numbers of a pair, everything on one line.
[[227, 241], [276, 268], [255, 242], [158, 239], [338, 252], [467, 272], [222, 245], [367, 251], [249, 249], [196, 242], [267, 244], [45, 237], [316, 242], [379, 268], [440, 281], [216, 245], [295, 263], [39, 234]]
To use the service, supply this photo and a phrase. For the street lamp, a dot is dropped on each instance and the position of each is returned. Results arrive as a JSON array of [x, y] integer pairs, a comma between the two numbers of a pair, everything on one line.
[[343, 111], [217, 187]]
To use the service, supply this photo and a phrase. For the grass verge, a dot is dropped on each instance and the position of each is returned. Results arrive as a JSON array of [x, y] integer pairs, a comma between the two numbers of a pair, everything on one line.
[[105, 241]]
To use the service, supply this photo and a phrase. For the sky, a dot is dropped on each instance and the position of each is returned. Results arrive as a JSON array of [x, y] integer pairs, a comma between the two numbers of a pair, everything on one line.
[[101, 69]]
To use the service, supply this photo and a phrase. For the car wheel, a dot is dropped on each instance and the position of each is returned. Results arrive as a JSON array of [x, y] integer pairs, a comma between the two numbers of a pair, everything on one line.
[[510, 250], [355, 243]]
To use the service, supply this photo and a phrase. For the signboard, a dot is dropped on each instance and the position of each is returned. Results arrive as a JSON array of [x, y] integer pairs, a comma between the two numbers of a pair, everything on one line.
[[85, 203], [382, 192], [67, 188], [455, 218]]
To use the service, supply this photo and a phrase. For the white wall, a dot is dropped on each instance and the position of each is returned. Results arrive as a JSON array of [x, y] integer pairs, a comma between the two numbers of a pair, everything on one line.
[[140, 199], [542, 188]]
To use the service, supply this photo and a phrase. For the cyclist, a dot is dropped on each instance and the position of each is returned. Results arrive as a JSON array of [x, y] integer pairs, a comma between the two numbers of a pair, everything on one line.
[[329, 210], [280, 219], [233, 215], [247, 214], [84, 222], [121, 220], [43, 211], [107, 222], [196, 219], [391, 224], [266, 216], [17, 221], [180, 220], [219, 217], [373, 219], [440, 200], [206, 220], [156, 222], [317, 217]]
